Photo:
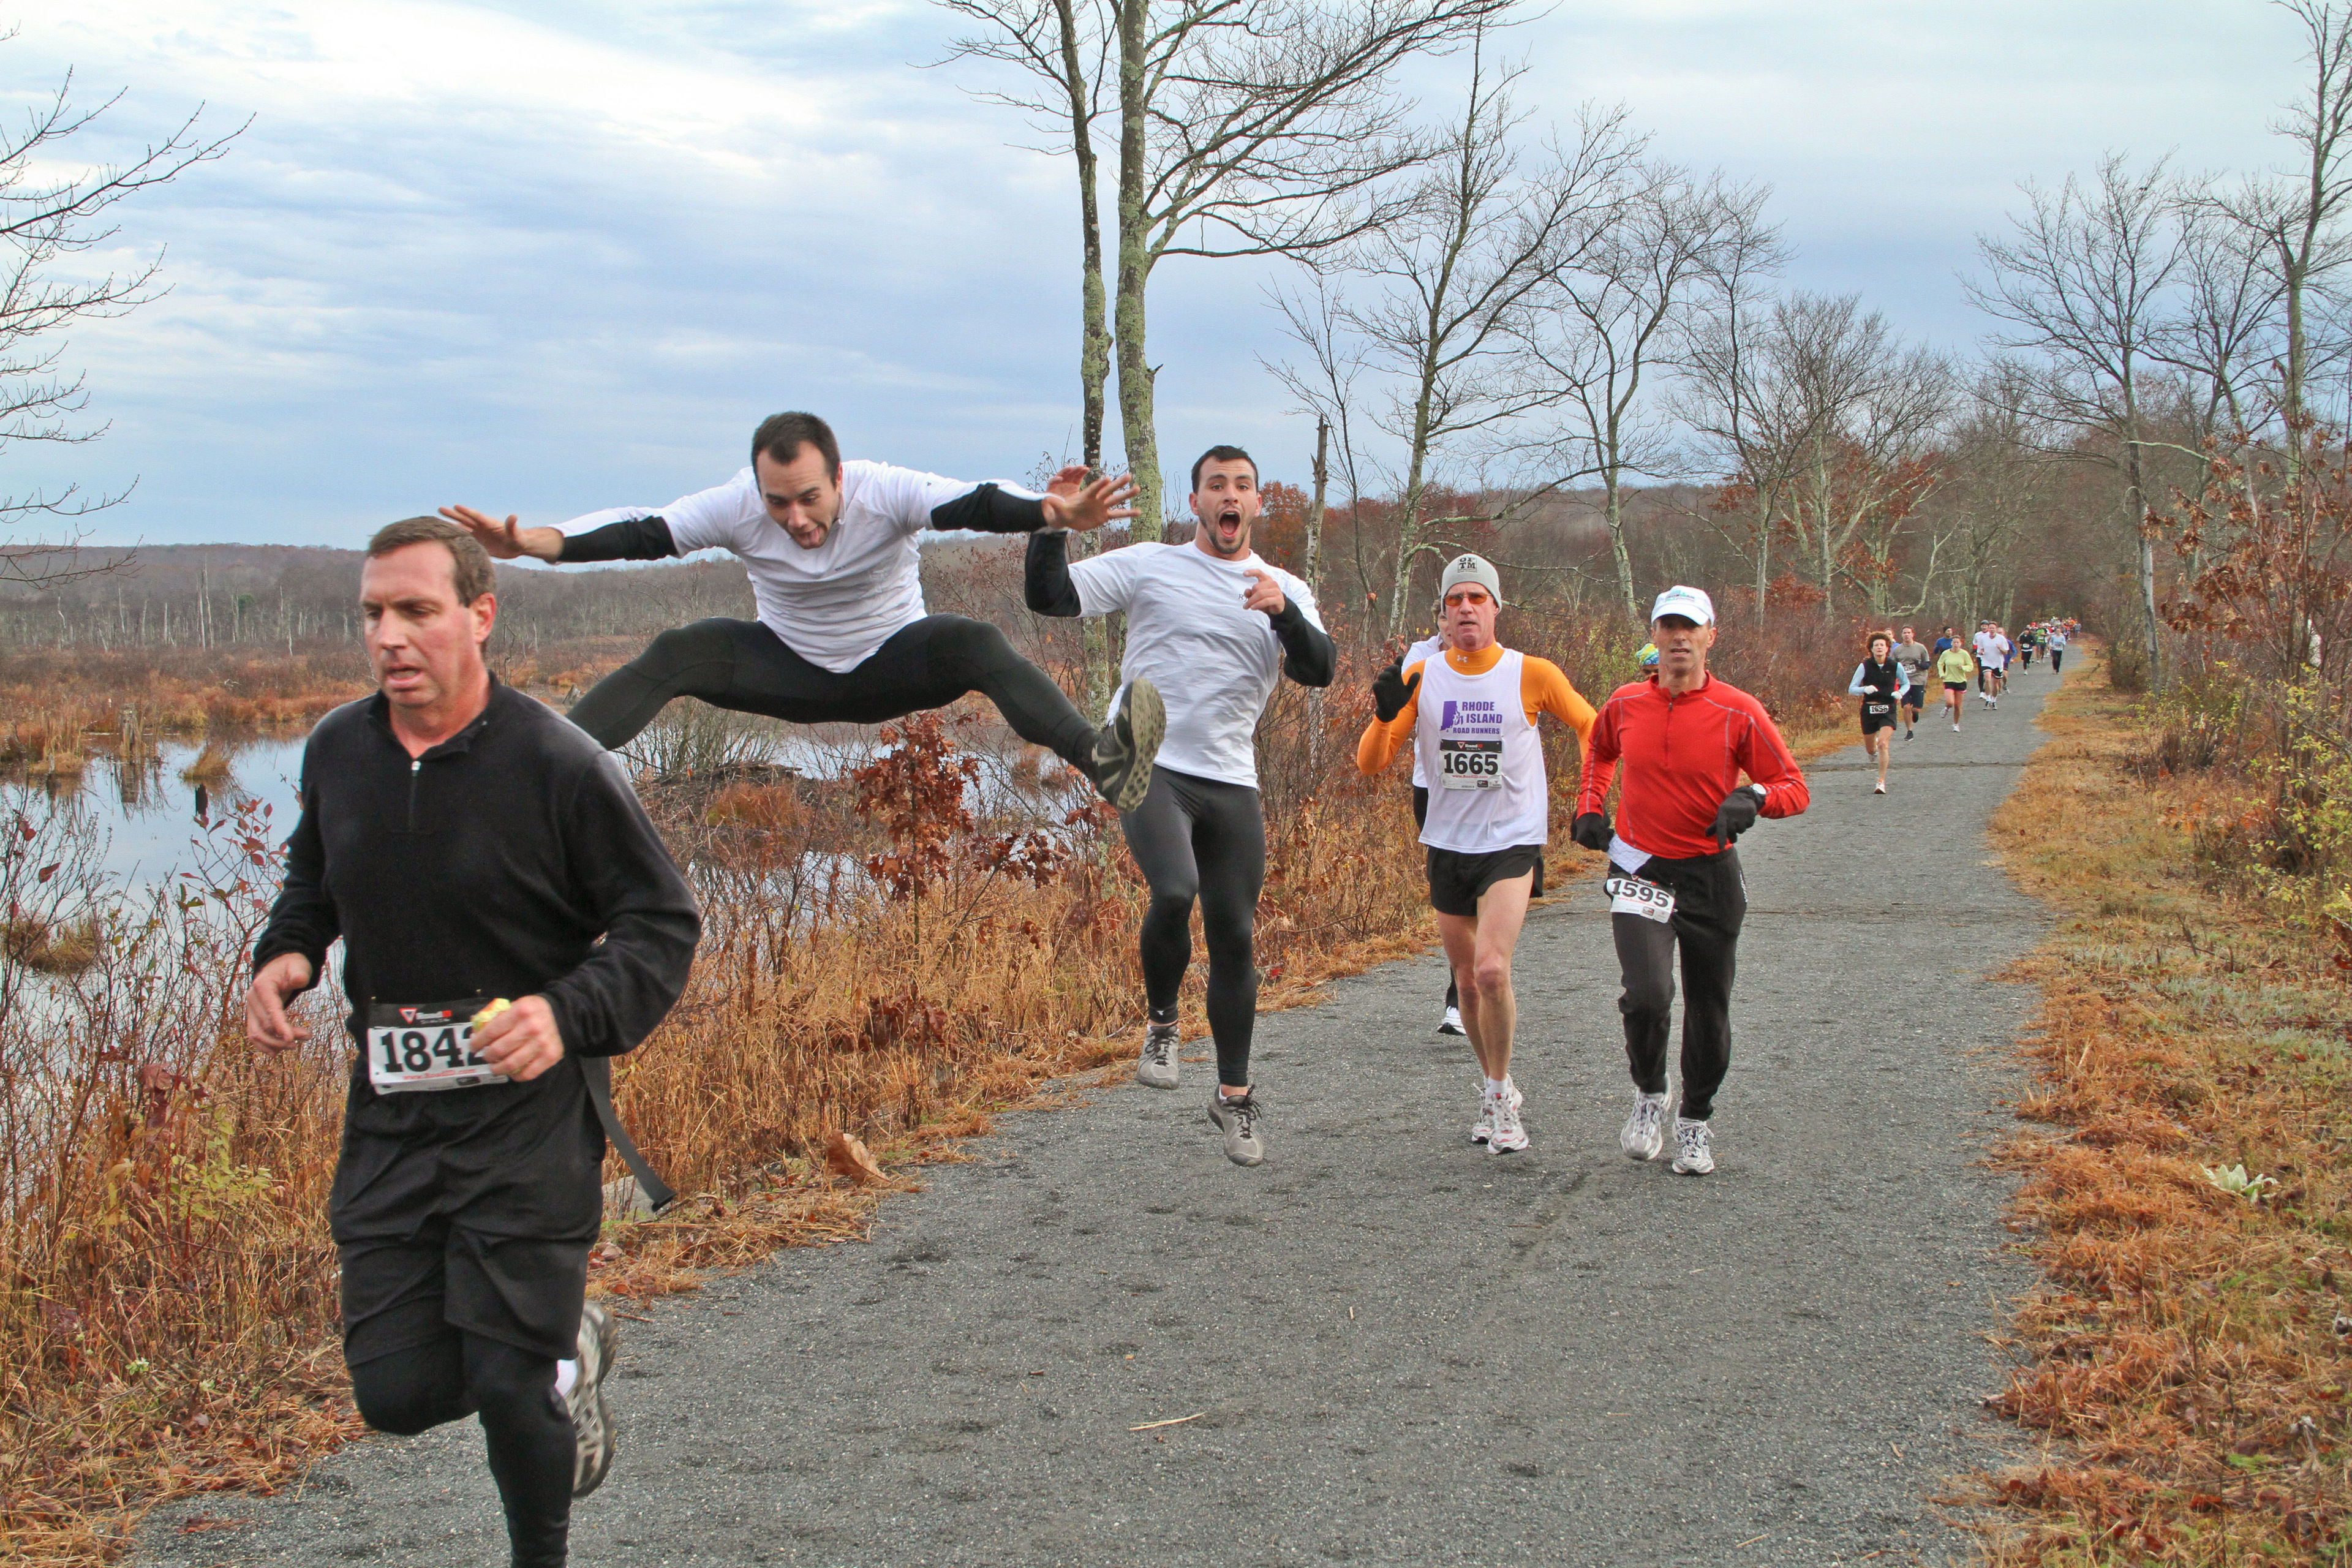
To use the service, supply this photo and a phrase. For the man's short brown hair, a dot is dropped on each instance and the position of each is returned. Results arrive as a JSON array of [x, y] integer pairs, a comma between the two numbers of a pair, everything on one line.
[[469, 563]]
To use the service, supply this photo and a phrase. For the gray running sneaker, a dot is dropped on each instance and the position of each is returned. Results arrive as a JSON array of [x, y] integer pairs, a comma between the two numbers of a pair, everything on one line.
[[1644, 1135], [591, 1418], [1692, 1157], [1125, 747], [1156, 1069], [1237, 1119]]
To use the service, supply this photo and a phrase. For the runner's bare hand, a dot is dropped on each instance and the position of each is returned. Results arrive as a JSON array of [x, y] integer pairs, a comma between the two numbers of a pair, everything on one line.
[[1068, 480], [1265, 593], [1105, 501], [266, 1023], [507, 540], [521, 1042]]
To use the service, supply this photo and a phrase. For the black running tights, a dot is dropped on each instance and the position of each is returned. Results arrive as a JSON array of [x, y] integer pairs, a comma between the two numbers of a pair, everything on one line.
[[1710, 903], [745, 666], [1198, 840], [529, 1432]]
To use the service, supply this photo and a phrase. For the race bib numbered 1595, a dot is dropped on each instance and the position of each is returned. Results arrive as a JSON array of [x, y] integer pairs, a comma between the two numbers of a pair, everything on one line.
[[1630, 895], [1469, 764], [424, 1046]]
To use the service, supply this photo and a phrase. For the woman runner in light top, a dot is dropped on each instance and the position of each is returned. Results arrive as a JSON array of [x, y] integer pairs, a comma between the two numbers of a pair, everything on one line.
[[1880, 682], [1955, 667], [1489, 809]]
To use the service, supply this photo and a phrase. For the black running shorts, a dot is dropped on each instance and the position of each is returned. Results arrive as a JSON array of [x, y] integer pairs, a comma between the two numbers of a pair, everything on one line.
[[1956, 685], [1457, 880]]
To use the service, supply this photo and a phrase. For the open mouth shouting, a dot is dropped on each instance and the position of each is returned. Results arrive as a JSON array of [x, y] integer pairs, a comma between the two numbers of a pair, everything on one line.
[[1225, 529]]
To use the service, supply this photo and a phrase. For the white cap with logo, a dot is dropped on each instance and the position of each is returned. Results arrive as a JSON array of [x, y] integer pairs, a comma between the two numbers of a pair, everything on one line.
[[1691, 604], [1471, 569]]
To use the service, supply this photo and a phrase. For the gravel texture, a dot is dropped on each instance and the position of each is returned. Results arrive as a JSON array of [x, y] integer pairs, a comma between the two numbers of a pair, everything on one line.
[[1385, 1346]]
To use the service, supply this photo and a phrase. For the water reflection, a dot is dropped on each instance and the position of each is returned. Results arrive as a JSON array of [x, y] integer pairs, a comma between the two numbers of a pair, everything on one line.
[[146, 806]]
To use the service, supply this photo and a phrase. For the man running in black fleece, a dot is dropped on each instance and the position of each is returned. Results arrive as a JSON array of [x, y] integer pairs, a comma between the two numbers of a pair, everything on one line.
[[841, 635], [471, 848]]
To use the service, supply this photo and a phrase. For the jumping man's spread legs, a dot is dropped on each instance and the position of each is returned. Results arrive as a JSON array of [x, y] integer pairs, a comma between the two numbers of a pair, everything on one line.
[[1197, 838]]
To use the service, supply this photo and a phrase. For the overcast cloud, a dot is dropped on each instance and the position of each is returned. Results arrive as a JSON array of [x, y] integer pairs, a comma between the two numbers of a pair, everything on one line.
[[552, 257]]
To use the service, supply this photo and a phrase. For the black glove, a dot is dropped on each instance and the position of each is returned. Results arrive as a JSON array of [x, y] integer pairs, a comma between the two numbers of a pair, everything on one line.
[[1591, 830], [1735, 816], [1392, 691]]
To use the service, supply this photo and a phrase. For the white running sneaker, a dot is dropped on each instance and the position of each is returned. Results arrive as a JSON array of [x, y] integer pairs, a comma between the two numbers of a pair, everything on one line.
[[1452, 1023], [1878, 788], [1483, 1127], [1156, 1067], [1956, 726], [1507, 1136], [1692, 1155], [1644, 1133]]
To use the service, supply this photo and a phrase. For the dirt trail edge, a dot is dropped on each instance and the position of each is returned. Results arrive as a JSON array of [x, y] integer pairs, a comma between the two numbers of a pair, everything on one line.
[[1385, 1346]]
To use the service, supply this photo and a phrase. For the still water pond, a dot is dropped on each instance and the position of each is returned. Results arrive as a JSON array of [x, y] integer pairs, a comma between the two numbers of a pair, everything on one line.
[[148, 811]]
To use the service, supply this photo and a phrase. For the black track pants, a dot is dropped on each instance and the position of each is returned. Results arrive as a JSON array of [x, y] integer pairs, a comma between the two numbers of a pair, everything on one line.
[[2057, 659], [745, 666], [1197, 838], [527, 1430], [1710, 903]]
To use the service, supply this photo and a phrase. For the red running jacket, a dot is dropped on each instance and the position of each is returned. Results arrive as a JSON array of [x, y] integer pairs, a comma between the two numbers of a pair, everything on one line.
[[1682, 755]]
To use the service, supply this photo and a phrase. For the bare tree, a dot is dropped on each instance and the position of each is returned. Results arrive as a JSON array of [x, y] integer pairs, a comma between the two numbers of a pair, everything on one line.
[[1063, 45], [1721, 400], [1245, 128], [2229, 329], [48, 214], [1617, 307], [1999, 477], [2083, 284]]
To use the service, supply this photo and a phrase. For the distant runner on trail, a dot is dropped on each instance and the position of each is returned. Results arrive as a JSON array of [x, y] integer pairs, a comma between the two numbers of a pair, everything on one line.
[[1215, 626], [1675, 879], [1916, 660], [471, 848], [842, 635], [2057, 642], [1954, 666], [1881, 682], [1489, 809]]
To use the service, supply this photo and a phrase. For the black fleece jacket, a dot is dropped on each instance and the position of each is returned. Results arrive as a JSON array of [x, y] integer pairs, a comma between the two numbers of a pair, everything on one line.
[[513, 859], [1308, 654]]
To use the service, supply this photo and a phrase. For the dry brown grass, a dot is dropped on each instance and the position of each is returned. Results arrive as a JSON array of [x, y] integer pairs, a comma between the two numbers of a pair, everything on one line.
[[2184, 1364], [50, 947]]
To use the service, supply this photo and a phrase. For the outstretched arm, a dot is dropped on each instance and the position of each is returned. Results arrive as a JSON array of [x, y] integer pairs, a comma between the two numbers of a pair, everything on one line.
[[629, 538]]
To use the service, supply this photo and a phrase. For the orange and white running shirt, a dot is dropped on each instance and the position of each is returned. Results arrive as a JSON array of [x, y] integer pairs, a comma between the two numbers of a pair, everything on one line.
[[1472, 721]]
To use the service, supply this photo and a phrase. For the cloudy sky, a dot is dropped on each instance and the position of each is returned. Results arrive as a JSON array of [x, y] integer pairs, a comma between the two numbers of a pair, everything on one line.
[[548, 258]]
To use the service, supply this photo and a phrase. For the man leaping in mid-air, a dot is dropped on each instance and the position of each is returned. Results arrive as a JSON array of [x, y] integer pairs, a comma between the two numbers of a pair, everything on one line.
[[841, 635]]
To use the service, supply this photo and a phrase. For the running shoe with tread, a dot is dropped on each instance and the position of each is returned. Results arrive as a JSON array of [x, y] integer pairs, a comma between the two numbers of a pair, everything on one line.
[[1126, 746], [1483, 1127], [1507, 1136], [1156, 1067], [1237, 1119], [591, 1418], [1643, 1135], [1451, 1024], [1693, 1156]]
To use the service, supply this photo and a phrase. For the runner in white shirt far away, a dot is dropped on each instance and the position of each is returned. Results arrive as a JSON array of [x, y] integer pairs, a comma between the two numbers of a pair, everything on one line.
[[837, 573], [1213, 626]]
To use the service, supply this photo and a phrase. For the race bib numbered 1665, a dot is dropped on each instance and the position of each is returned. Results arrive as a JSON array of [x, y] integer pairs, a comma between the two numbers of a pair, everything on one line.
[[1469, 764], [424, 1046], [1630, 895]]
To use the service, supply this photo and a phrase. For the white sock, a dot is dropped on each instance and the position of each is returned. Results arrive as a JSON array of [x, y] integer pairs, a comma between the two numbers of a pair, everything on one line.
[[1496, 1085], [567, 1378]]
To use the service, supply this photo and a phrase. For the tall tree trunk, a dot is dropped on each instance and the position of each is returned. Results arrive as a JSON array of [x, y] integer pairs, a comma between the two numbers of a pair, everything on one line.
[[1093, 330], [1613, 509], [1135, 408]]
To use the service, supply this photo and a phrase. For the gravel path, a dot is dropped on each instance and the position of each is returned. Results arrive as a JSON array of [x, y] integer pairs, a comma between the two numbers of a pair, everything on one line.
[[1385, 1346]]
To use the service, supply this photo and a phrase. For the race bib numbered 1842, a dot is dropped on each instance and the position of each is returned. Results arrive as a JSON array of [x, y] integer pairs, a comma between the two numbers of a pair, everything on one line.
[[1469, 764], [1630, 895], [416, 1048]]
